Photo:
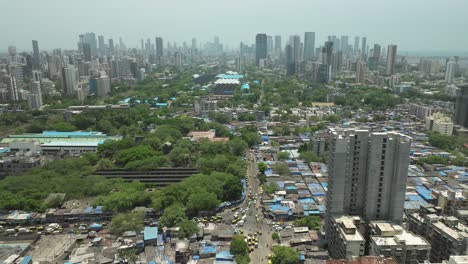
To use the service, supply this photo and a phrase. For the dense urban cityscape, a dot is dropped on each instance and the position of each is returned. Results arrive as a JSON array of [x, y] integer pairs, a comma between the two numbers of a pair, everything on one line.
[[282, 149]]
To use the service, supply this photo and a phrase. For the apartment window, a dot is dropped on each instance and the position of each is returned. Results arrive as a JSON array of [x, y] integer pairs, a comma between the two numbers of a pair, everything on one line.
[[378, 200], [380, 189], [384, 145], [381, 173], [383, 157], [381, 168], [380, 184], [382, 163], [383, 151], [385, 140]]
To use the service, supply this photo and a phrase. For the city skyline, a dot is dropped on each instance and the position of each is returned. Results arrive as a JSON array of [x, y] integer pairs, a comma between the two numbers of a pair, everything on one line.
[[385, 23]]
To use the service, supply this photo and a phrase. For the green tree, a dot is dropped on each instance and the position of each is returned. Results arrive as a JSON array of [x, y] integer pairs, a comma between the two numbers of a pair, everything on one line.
[[275, 236], [262, 167], [173, 215], [271, 188], [242, 259], [285, 255], [312, 222], [309, 156], [127, 222], [237, 146], [202, 201], [283, 155], [187, 228], [281, 168], [238, 246]]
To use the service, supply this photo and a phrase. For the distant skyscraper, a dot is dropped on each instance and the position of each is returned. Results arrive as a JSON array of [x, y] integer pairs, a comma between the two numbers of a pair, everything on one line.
[[69, 80], [327, 52], [278, 46], [103, 86], [87, 51], [356, 45], [290, 62], [344, 44], [364, 46], [461, 107], [111, 45], [35, 98], [391, 59], [361, 68], [376, 52], [270, 45], [260, 48], [102, 48], [12, 89], [36, 55], [450, 71], [309, 45], [367, 174], [159, 48], [194, 43]]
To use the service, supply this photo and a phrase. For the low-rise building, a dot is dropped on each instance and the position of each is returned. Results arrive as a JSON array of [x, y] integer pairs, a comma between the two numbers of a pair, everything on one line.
[[445, 234], [345, 240], [441, 123], [391, 240]]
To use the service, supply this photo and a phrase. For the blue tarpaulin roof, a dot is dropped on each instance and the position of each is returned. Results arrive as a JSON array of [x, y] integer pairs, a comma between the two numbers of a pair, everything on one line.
[[150, 233], [26, 260], [224, 255]]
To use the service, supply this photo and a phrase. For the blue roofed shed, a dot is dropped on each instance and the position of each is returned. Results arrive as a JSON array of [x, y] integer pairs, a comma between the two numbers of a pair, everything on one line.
[[150, 235]]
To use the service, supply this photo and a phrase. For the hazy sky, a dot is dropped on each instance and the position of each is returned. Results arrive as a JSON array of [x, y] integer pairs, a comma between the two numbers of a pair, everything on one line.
[[415, 25]]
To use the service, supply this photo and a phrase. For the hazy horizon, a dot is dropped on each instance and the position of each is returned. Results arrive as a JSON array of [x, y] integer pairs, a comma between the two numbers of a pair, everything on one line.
[[415, 26]]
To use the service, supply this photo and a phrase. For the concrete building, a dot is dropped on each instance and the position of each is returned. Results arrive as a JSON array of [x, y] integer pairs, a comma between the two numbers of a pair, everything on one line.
[[450, 71], [69, 79], [440, 123], [446, 235], [421, 111], [390, 240], [367, 174], [461, 107], [103, 86], [309, 46], [261, 49], [391, 59], [11, 87], [361, 69], [345, 240], [35, 97]]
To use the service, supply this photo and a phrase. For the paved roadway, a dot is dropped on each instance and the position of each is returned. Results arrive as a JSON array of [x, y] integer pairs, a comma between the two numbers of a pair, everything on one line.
[[259, 255]]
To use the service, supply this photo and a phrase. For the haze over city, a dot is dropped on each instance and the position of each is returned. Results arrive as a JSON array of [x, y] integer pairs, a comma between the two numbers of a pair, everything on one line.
[[234, 132], [415, 25]]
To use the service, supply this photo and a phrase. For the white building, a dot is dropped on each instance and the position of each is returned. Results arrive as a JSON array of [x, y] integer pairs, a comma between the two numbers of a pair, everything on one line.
[[450, 71], [440, 123], [103, 87]]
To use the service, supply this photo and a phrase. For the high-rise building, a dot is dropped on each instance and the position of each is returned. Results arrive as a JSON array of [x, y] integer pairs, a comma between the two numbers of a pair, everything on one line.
[[461, 107], [194, 43], [309, 46], [69, 79], [102, 48], [159, 48], [361, 68], [260, 48], [12, 89], [327, 52], [296, 45], [344, 44], [356, 44], [111, 45], [35, 97], [364, 47], [367, 174], [290, 63], [270, 45], [87, 51], [103, 87], [391, 59], [278, 46], [36, 55], [376, 51], [450, 71]]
